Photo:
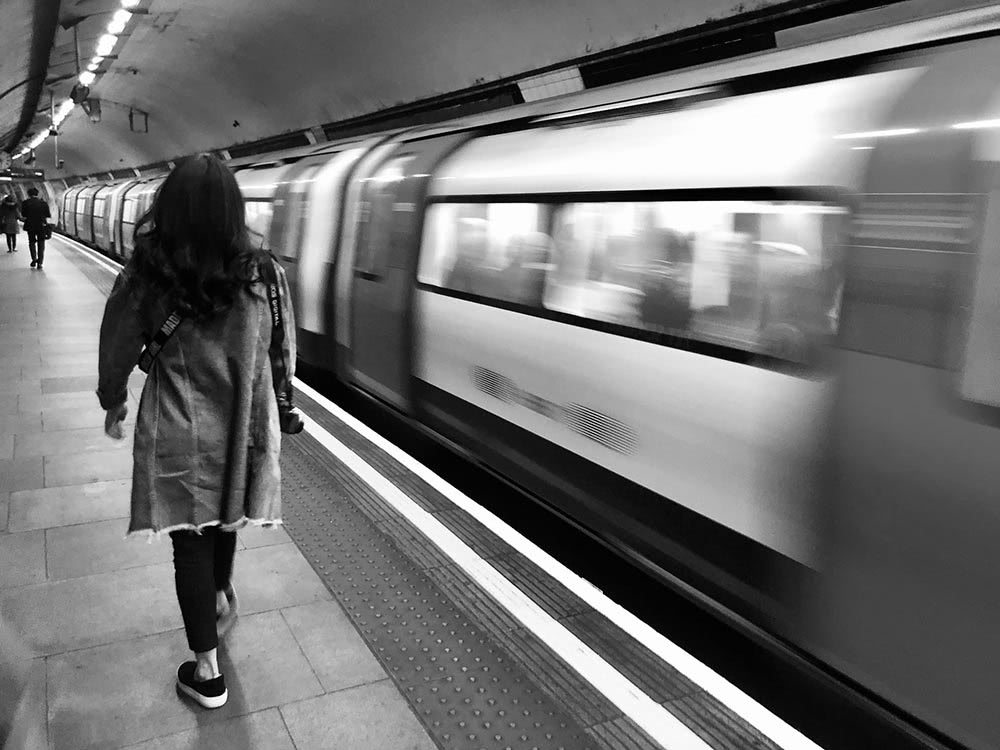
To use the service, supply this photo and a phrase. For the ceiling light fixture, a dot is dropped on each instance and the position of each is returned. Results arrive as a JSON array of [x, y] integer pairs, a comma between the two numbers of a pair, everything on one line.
[[119, 22], [977, 125], [106, 44]]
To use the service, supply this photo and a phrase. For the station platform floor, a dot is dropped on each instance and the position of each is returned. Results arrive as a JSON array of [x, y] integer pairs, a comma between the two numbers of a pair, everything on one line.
[[381, 615]]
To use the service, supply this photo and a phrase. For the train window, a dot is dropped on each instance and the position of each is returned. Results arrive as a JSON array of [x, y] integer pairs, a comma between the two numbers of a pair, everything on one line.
[[758, 276], [490, 250], [259, 214]]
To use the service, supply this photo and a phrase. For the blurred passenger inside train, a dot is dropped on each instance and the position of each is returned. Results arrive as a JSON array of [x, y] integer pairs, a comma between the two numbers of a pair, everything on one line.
[[528, 261], [9, 216], [471, 272], [207, 435], [666, 281]]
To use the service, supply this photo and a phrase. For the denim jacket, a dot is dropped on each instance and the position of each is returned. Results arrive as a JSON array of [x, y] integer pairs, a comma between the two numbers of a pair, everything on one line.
[[207, 437]]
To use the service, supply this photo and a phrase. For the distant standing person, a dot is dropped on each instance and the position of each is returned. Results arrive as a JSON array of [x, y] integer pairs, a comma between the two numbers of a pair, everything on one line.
[[8, 222], [36, 216]]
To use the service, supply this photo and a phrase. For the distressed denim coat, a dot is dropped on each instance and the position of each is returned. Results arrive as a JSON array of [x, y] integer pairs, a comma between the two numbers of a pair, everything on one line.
[[207, 437]]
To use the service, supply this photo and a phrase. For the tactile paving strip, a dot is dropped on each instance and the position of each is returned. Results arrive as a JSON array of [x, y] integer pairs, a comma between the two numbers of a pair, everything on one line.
[[463, 686]]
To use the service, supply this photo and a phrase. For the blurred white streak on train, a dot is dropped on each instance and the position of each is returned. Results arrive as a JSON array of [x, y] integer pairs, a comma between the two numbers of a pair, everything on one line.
[[879, 133], [757, 715], [977, 125]]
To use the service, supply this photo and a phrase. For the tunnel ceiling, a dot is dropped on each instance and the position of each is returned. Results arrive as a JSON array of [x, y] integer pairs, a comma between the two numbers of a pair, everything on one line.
[[214, 73], [26, 29]]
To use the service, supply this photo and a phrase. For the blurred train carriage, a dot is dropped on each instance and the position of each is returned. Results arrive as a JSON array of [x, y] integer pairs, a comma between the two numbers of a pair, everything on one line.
[[624, 300]]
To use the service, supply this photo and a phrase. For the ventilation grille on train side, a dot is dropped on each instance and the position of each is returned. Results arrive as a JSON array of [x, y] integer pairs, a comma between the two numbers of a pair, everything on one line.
[[594, 425], [608, 431], [919, 221]]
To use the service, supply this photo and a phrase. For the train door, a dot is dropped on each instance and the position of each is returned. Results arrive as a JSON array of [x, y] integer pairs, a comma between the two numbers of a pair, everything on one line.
[[114, 216], [99, 214], [908, 606], [387, 242]]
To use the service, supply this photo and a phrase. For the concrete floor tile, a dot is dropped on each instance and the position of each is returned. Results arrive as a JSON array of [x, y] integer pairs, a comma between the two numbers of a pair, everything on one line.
[[60, 616], [21, 424], [263, 665], [73, 400], [68, 369], [6, 446], [22, 559], [69, 383], [81, 468], [263, 730], [8, 403], [99, 547], [72, 504], [258, 536], [20, 388], [118, 695], [60, 363], [372, 717], [30, 725], [74, 418], [21, 475], [334, 648], [66, 442], [275, 577]]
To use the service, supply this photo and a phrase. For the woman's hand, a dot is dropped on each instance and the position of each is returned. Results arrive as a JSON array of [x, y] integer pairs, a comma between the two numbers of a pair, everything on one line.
[[113, 421]]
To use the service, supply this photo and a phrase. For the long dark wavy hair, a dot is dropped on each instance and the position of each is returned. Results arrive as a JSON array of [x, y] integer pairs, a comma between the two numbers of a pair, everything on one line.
[[193, 248]]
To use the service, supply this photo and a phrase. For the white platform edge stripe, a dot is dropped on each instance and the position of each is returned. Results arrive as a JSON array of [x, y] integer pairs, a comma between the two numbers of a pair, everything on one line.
[[768, 723], [107, 265]]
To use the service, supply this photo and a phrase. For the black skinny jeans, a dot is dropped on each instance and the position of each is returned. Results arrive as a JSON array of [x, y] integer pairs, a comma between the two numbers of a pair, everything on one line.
[[203, 566]]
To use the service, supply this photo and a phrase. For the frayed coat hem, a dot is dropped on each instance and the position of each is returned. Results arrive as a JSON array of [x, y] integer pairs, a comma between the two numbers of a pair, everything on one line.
[[152, 534]]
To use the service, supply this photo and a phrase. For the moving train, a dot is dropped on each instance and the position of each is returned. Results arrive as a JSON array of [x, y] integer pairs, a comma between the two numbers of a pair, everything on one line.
[[741, 322]]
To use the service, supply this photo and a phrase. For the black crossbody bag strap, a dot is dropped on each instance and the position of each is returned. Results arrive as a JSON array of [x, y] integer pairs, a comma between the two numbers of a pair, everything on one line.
[[277, 350], [154, 347]]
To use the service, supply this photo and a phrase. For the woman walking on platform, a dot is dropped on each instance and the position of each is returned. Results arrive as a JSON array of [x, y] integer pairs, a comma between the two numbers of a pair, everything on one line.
[[8, 222], [207, 435]]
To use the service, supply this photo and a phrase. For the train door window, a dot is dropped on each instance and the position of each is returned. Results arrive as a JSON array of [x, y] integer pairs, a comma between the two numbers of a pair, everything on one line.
[[258, 217], [376, 218], [498, 250], [297, 212]]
